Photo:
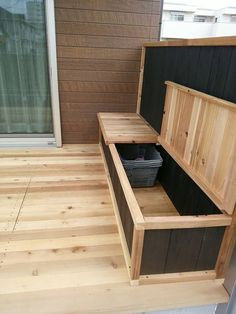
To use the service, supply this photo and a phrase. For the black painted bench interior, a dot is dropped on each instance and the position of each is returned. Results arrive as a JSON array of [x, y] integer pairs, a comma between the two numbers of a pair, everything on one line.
[[172, 250]]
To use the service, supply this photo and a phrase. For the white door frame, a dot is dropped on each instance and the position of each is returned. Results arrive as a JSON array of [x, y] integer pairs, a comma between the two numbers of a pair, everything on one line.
[[55, 138], [52, 62]]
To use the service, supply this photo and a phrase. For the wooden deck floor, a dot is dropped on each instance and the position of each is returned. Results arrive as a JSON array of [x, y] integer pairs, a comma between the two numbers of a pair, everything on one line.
[[60, 251]]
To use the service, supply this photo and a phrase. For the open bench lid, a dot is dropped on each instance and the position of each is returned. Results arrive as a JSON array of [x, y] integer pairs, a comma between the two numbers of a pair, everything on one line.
[[199, 132]]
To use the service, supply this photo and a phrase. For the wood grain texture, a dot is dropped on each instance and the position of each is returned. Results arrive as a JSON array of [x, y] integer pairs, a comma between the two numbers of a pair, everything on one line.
[[64, 253], [99, 50], [154, 202], [211, 41], [125, 128], [123, 207], [198, 131]]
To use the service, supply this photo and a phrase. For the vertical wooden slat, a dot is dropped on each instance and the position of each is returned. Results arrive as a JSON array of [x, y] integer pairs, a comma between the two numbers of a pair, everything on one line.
[[226, 248], [195, 126], [140, 84], [210, 247], [166, 112], [155, 250], [170, 115], [184, 120], [136, 255], [183, 250], [192, 129]]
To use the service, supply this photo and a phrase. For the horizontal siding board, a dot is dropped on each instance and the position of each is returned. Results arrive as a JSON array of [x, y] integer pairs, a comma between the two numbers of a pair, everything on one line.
[[96, 29], [78, 113], [106, 17], [99, 53], [72, 127], [134, 6], [99, 41], [99, 76], [97, 65], [83, 137], [93, 97], [98, 50], [99, 87]]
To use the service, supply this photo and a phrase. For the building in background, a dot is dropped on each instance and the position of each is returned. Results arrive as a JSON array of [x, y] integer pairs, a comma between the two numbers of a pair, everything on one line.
[[189, 21]]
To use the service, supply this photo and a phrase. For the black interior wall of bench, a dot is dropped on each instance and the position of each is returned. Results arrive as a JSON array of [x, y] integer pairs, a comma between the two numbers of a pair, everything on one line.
[[211, 70], [180, 250], [126, 218], [184, 193], [208, 69]]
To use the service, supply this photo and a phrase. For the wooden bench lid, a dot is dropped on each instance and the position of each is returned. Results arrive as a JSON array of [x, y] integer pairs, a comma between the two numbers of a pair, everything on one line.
[[120, 127], [199, 132]]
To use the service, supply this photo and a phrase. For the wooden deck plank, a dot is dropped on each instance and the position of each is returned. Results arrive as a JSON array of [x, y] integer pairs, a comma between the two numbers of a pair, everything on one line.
[[116, 298], [60, 251]]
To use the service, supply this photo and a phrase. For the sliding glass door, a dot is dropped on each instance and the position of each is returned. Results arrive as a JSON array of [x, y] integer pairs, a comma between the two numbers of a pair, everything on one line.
[[25, 88]]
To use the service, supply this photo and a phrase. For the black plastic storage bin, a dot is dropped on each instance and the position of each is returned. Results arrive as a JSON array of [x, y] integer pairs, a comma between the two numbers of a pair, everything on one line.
[[141, 173]]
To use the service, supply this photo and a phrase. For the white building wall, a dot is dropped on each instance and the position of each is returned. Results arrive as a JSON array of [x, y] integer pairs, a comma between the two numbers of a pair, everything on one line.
[[217, 22]]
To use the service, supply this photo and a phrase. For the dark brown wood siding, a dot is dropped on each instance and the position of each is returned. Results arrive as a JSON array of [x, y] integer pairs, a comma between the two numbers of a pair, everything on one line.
[[99, 48]]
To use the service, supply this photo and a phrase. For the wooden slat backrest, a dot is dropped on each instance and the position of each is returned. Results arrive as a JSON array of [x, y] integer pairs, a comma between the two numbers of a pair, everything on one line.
[[199, 132]]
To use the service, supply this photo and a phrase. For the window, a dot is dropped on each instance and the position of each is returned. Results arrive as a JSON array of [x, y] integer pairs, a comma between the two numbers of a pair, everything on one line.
[[29, 106], [198, 18], [233, 18], [176, 16]]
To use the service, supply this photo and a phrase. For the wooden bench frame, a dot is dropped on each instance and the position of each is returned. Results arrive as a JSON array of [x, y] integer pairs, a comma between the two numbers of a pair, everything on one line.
[[142, 224]]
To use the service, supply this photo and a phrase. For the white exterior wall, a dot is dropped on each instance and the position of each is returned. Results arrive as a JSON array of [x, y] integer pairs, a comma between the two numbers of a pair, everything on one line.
[[178, 29], [175, 29], [218, 23]]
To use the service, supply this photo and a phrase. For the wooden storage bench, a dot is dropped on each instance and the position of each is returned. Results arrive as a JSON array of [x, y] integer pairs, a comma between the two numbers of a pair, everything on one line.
[[183, 227]]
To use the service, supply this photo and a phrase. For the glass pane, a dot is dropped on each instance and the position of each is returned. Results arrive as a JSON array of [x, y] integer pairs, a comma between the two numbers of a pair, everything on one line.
[[25, 104]]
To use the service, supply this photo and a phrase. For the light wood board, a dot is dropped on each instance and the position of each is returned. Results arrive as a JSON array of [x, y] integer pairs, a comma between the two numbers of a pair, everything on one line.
[[199, 132], [154, 201], [62, 252], [125, 128]]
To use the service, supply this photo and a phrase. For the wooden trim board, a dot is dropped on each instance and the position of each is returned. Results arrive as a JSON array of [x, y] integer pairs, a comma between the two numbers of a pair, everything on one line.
[[227, 247], [211, 41], [177, 277], [221, 102], [116, 298], [136, 256], [140, 85], [117, 215], [131, 200], [185, 222]]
